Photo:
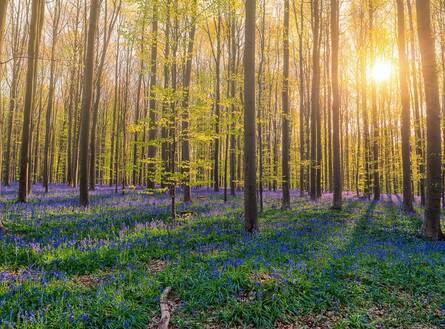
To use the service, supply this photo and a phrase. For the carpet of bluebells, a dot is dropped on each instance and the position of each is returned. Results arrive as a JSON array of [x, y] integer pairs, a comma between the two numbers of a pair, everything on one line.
[[309, 267]]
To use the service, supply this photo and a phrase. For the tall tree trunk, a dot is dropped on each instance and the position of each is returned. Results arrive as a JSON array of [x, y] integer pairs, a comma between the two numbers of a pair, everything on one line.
[[35, 29], [418, 126], [260, 105], [366, 142], [124, 118], [375, 121], [165, 151], [10, 126], [431, 228], [113, 156], [250, 204], [405, 119], [3, 9], [286, 115], [172, 130], [86, 102], [136, 119], [337, 197], [49, 109], [217, 104], [185, 107], [315, 99], [301, 92], [232, 147], [152, 113], [98, 84]]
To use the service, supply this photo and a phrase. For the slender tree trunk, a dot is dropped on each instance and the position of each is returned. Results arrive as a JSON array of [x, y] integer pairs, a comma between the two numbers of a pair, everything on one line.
[[315, 99], [217, 105], [10, 127], [86, 102], [418, 130], [172, 129], [49, 109], [301, 92], [3, 9], [165, 152], [33, 51], [337, 180], [124, 118], [113, 156], [405, 119], [185, 115], [375, 122], [286, 115], [36, 145], [98, 89], [260, 104], [152, 102], [250, 204], [232, 147], [136, 121]]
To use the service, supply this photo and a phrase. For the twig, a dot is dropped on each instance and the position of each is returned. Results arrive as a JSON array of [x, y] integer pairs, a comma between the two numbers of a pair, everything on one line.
[[165, 310]]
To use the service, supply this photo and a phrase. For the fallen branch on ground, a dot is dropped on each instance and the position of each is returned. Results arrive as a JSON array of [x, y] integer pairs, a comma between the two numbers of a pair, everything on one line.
[[165, 309]]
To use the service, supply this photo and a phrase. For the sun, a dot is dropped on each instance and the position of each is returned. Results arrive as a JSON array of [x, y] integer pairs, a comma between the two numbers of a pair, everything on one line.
[[381, 70]]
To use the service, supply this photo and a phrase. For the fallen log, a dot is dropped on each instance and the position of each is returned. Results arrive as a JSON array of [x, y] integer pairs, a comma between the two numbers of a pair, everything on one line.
[[165, 309]]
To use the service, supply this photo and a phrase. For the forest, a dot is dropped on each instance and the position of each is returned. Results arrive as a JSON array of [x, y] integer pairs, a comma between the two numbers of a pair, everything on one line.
[[222, 164]]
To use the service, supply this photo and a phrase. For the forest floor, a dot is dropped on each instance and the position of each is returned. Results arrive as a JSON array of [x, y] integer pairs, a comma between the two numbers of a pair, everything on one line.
[[309, 267]]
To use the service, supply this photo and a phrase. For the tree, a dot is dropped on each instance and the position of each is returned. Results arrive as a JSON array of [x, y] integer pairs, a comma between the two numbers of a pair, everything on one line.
[[217, 57], [3, 9], [18, 43], [337, 181], [285, 123], [232, 93], [185, 105], [35, 30], [95, 108], [315, 101], [419, 132], [431, 225], [152, 114], [375, 121], [52, 82], [86, 102], [405, 118], [250, 204]]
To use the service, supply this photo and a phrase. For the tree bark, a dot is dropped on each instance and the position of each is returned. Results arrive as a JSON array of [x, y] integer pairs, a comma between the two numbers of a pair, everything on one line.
[[375, 121], [185, 115], [406, 115], [431, 227], [217, 104], [250, 204], [315, 100], [152, 103], [49, 109], [285, 116], [86, 102], [33, 50], [337, 180]]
